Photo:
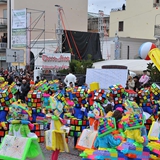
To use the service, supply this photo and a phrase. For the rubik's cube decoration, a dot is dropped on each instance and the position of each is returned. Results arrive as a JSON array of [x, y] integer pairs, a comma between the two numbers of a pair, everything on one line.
[[54, 85], [130, 94], [42, 86], [6, 97], [80, 96], [2, 131], [145, 97], [13, 88], [117, 92], [106, 126], [39, 131], [34, 99], [77, 126], [155, 89], [100, 96]]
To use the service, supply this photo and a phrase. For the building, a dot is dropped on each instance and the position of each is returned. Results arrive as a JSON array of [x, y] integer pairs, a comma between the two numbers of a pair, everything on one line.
[[93, 22], [137, 20], [128, 48], [74, 18]]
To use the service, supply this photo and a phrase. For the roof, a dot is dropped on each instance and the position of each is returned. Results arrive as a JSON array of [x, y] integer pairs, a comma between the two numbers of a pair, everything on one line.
[[95, 15], [133, 65]]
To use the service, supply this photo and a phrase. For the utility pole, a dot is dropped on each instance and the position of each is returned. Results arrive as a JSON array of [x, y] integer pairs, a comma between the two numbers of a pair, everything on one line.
[[59, 30], [101, 28]]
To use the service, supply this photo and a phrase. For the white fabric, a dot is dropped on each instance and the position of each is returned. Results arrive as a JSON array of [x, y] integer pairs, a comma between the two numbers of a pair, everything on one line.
[[70, 78], [17, 133], [106, 77]]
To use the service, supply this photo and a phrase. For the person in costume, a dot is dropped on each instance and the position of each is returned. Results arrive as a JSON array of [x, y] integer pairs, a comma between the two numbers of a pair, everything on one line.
[[21, 127], [105, 139], [58, 131]]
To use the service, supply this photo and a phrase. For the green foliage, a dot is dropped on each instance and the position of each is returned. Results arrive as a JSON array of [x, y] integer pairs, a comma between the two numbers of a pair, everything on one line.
[[79, 66], [154, 72]]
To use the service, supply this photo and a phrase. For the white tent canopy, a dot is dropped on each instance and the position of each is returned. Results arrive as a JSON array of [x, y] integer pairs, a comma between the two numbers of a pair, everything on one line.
[[133, 65]]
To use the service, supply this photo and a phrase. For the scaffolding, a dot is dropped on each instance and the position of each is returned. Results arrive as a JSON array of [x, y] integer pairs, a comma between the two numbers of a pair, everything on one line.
[[36, 32]]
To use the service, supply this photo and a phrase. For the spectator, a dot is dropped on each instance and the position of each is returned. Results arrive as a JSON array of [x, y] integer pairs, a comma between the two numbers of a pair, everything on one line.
[[137, 84], [144, 79], [70, 78], [9, 79], [37, 80], [130, 83], [25, 87], [123, 7]]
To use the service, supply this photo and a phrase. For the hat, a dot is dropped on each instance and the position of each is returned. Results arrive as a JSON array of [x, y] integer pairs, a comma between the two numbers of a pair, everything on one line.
[[119, 109]]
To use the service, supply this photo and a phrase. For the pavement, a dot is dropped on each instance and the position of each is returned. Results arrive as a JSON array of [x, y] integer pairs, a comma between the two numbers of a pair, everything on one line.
[[72, 155]]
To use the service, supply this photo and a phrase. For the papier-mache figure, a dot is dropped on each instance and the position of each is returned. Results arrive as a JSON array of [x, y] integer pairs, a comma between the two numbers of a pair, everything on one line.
[[105, 139], [21, 126], [134, 130], [55, 136]]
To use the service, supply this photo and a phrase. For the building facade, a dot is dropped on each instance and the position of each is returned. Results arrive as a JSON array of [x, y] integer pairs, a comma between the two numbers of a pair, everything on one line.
[[74, 15], [136, 20]]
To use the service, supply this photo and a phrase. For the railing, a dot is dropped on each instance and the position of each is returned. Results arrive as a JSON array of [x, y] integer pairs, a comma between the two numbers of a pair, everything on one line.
[[3, 46], [116, 9], [157, 30], [3, 21]]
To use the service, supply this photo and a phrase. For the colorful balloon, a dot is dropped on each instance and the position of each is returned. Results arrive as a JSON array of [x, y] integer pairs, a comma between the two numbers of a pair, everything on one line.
[[145, 48]]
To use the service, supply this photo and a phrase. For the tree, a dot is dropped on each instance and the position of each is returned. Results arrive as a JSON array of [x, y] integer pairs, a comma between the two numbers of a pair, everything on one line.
[[154, 72]]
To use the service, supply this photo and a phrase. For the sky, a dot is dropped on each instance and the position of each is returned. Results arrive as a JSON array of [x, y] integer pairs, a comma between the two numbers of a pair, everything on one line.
[[104, 5]]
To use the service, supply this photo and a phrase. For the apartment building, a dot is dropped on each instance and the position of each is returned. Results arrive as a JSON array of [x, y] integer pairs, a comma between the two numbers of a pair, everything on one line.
[[136, 20], [74, 18], [3, 33]]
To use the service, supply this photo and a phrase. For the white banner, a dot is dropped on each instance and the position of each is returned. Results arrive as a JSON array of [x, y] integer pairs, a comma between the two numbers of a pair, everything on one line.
[[18, 38], [19, 19], [107, 77], [55, 61]]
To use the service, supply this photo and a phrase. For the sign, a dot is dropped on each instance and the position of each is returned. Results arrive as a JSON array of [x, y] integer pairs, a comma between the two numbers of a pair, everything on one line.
[[19, 25], [19, 19], [18, 38], [56, 61], [14, 55]]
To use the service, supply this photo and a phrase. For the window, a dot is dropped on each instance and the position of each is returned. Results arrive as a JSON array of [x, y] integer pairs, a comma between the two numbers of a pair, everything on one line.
[[120, 27], [4, 13], [157, 1]]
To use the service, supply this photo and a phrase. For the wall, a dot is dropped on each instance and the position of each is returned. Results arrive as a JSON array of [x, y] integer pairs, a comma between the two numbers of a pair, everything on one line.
[[75, 14], [134, 44], [139, 19]]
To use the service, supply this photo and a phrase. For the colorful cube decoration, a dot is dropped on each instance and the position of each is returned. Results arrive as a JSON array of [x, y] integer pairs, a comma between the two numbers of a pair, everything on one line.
[[39, 131], [6, 97], [130, 94], [106, 126], [155, 90], [77, 126], [34, 99], [145, 97], [117, 92]]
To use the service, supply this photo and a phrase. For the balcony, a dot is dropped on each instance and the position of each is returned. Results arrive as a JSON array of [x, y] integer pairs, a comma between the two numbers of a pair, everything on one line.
[[3, 22], [3, 1], [3, 46]]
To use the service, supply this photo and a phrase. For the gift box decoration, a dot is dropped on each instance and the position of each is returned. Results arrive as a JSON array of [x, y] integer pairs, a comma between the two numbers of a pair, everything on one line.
[[2, 131], [54, 85], [77, 126]]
